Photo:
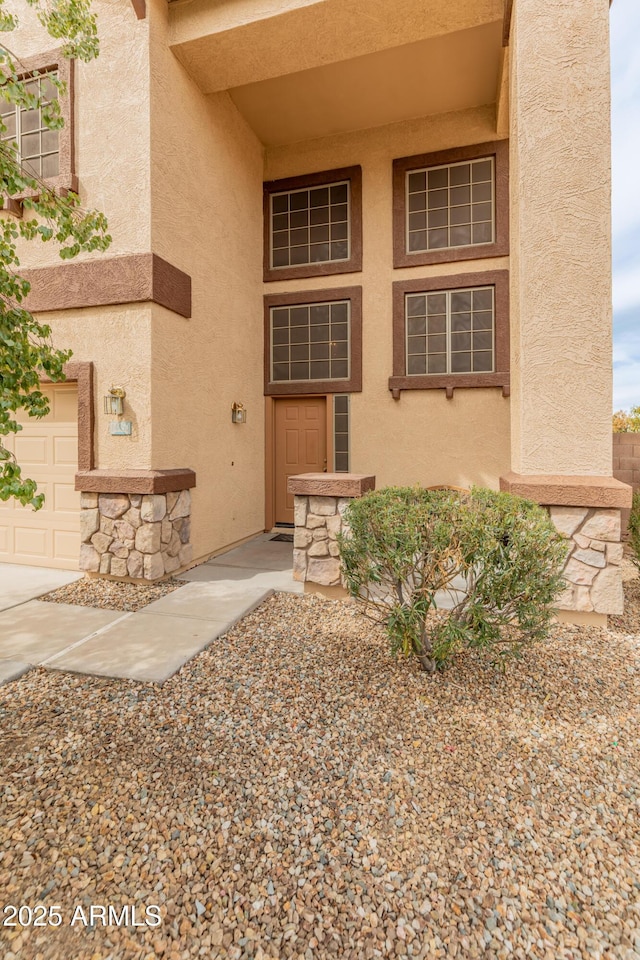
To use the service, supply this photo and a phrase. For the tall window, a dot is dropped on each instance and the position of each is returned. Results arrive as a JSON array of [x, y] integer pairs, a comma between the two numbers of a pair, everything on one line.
[[310, 341], [38, 146], [451, 331], [310, 226], [313, 225], [313, 342], [451, 205]]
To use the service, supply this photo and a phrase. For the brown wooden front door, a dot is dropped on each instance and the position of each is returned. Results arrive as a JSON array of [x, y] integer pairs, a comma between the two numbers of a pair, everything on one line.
[[300, 446]]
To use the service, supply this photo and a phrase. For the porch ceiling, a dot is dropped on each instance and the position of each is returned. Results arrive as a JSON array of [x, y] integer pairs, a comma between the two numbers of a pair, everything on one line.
[[438, 75], [231, 43]]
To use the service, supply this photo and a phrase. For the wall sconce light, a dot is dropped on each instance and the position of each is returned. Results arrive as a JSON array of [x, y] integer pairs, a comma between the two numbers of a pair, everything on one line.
[[113, 405], [238, 413]]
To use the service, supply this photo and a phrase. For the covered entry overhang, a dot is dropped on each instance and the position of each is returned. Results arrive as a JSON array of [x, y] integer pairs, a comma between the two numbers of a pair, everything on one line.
[[305, 69]]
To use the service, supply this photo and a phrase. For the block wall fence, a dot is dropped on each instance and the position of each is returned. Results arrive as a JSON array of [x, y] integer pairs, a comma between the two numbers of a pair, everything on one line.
[[626, 465]]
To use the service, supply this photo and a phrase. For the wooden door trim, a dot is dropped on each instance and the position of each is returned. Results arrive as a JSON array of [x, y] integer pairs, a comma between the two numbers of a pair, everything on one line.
[[269, 459]]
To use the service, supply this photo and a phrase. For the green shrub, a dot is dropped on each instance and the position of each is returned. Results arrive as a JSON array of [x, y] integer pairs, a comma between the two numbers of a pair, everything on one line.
[[405, 551], [634, 529]]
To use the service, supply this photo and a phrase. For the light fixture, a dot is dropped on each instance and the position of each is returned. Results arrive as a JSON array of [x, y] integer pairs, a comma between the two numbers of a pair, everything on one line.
[[238, 413], [113, 405]]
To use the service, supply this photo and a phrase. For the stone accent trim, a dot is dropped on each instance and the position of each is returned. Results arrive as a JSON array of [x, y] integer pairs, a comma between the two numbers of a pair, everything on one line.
[[135, 278], [331, 484], [592, 568], [135, 481], [135, 536], [318, 521], [569, 491]]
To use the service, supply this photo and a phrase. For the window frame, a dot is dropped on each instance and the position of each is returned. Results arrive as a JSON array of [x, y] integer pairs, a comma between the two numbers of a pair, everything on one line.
[[500, 377], [498, 150], [40, 64], [310, 387], [330, 267]]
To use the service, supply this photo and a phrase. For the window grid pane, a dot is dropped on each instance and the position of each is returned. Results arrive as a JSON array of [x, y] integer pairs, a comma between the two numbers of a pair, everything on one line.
[[311, 342], [310, 225], [341, 427], [451, 331], [38, 146], [450, 206]]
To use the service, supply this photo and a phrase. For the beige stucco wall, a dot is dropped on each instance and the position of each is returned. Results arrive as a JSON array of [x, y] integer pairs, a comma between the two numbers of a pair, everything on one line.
[[423, 437], [560, 238], [243, 41], [206, 204], [117, 340], [111, 125]]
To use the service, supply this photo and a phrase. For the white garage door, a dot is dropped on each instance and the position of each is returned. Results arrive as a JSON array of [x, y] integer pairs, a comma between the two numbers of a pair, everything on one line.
[[47, 451]]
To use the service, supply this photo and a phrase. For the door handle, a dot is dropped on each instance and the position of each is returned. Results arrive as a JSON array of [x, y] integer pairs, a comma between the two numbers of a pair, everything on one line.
[[325, 465]]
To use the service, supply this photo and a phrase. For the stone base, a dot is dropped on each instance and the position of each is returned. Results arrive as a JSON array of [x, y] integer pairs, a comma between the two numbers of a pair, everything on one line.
[[594, 553], [581, 619], [135, 537], [331, 593]]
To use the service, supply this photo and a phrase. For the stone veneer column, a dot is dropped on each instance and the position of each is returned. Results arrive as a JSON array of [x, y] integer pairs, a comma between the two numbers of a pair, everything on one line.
[[586, 511], [135, 524], [320, 501], [135, 536]]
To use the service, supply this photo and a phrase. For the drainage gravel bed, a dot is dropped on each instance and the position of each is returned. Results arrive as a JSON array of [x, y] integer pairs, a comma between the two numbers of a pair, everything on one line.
[[296, 792], [112, 594]]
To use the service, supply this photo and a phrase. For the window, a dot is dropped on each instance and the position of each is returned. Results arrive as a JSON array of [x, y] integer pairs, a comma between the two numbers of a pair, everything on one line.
[[341, 433], [38, 147], [451, 205], [451, 332], [313, 225], [47, 154], [313, 342]]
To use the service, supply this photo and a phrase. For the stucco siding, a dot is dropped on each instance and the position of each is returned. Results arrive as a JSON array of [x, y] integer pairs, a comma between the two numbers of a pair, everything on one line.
[[561, 238], [423, 437], [206, 199]]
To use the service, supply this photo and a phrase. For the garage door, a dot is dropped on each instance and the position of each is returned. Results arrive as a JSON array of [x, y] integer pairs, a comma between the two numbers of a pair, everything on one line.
[[47, 451]]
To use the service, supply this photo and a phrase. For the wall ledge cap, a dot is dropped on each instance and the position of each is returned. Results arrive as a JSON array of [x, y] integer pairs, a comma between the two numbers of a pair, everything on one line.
[[135, 481], [569, 491], [331, 484]]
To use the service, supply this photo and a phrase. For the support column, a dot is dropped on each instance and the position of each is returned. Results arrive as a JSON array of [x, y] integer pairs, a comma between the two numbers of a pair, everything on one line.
[[320, 502], [560, 276]]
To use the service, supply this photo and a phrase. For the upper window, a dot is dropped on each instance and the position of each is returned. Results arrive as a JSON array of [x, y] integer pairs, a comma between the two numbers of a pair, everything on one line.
[[313, 341], [451, 205], [38, 146], [313, 225], [44, 153], [451, 332]]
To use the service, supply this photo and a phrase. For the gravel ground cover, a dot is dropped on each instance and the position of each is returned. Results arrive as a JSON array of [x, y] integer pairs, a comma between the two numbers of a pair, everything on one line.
[[296, 792], [112, 594]]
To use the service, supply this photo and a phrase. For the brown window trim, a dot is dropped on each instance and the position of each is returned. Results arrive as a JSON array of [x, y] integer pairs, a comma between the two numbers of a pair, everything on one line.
[[499, 149], [308, 387], [354, 263], [499, 279], [66, 179]]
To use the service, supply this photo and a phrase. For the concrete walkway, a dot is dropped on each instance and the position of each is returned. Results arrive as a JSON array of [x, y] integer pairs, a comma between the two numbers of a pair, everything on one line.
[[151, 644]]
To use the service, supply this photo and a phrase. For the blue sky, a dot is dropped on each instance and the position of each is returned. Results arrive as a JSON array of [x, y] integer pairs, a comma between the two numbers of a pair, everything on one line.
[[625, 86]]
